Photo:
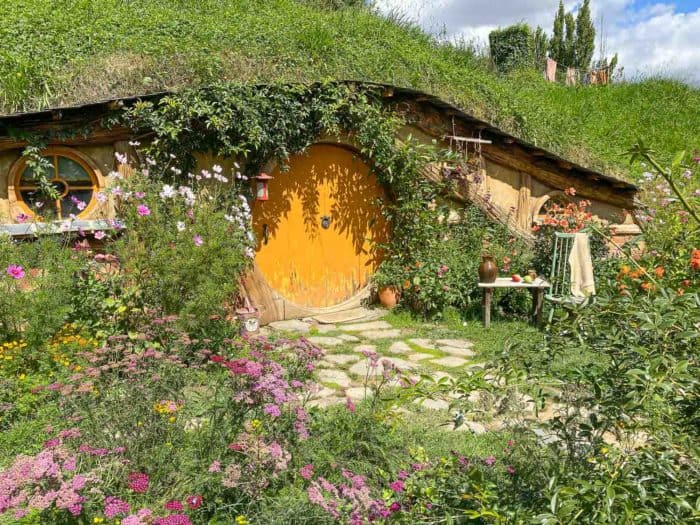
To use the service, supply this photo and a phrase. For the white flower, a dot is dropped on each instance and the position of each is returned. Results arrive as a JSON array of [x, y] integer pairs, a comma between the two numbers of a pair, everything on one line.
[[180, 226], [176, 171], [238, 166], [168, 192], [101, 197], [150, 161], [249, 252], [217, 169], [134, 143], [229, 218], [206, 174], [121, 157]]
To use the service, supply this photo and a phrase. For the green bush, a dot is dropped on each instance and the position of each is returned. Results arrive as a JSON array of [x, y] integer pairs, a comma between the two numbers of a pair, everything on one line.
[[512, 47]]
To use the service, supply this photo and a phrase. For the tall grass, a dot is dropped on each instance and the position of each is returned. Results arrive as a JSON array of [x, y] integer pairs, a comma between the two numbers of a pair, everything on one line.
[[68, 51]]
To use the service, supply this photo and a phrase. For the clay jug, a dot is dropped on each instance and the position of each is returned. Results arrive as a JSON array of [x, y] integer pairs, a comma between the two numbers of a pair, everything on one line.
[[388, 296], [487, 269]]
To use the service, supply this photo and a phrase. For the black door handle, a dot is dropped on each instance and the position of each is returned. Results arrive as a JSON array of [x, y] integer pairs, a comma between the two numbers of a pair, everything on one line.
[[265, 234]]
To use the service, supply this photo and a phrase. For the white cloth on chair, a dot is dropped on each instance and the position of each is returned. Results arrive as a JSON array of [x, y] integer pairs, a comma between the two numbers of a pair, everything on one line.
[[581, 265]]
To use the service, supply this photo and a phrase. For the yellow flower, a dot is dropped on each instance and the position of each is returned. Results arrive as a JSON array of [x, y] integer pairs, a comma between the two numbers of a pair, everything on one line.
[[22, 377], [256, 424], [241, 520], [97, 519], [172, 419]]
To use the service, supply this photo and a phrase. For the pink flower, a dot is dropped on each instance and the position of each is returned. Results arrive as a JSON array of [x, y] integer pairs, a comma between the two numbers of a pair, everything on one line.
[[490, 461], [350, 405], [139, 194], [138, 482], [143, 210], [307, 471], [22, 217], [272, 410], [396, 486], [173, 519], [194, 501], [215, 466], [395, 507], [174, 504], [197, 240], [114, 506], [15, 271], [99, 235]]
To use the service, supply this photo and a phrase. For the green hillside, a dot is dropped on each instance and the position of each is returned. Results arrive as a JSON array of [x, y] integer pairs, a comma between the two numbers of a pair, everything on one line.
[[56, 52]]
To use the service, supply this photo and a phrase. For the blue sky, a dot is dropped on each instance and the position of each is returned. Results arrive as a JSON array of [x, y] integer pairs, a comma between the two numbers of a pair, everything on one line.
[[651, 37]]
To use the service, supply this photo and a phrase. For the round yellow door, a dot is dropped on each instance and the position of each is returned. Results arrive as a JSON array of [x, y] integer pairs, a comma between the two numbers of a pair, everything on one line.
[[318, 231]]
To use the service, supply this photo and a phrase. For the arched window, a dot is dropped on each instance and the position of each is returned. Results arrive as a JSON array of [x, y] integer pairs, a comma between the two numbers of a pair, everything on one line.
[[70, 173]]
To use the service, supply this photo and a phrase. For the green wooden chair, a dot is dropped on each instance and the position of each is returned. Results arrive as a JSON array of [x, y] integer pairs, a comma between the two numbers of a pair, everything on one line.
[[560, 275]]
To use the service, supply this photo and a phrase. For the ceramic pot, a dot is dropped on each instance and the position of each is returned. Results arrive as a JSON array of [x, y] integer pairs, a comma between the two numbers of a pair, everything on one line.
[[487, 269], [388, 296]]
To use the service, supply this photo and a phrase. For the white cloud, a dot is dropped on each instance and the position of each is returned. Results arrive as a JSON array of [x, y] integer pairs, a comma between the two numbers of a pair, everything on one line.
[[653, 40]]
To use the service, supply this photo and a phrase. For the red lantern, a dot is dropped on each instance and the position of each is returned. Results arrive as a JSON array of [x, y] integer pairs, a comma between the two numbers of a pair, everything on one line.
[[261, 186]]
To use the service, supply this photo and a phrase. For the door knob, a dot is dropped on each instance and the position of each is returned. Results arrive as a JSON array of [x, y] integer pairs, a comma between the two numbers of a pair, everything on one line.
[[325, 222]]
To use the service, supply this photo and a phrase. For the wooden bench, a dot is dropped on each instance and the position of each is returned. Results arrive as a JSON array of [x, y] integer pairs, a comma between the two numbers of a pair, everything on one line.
[[537, 288]]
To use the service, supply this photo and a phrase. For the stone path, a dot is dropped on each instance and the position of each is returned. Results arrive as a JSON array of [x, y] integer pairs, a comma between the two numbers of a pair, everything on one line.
[[349, 350], [345, 368]]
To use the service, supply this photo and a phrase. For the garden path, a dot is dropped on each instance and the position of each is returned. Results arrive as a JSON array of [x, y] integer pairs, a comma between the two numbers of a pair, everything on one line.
[[344, 371]]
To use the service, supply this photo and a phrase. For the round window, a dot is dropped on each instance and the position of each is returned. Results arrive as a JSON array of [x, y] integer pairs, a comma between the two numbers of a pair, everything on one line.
[[73, 181]]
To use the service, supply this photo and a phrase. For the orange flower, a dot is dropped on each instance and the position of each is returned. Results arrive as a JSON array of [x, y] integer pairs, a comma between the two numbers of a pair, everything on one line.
[[659, 271], [647, 287], [624, 269], [406, 284]]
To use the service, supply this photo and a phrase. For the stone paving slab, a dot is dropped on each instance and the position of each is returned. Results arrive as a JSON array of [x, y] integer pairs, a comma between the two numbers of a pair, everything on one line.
[[292, 325], [418, 357], [325, 402], [335, 376], [349, 338], [363, 367], [455, 350], [357, 393], [433, 404], [399, 347], [449, 362], [325, 328], [428, 344], [365, 348], [459, 343], [325, 340], [342, 359], [360, 327], [381, 334]]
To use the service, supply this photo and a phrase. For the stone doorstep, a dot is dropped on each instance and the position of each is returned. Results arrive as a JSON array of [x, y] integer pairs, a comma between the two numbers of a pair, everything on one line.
[[292, 325], [325, 340], [381, 334]]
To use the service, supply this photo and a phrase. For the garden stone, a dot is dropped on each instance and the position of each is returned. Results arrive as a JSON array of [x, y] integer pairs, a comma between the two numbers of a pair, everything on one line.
[[418, 357], [325, 402], [337, 377], [381, 334], [349, 338], [449, 362], [365, 348], [363, 367], [423, 343], [357, 393], [325, 341], [473, 427], [399, 347], [324, 392], [433, 404], [360, 327], [459, 343], [325, 328], [342, 359], [455, 350], [292, 325]]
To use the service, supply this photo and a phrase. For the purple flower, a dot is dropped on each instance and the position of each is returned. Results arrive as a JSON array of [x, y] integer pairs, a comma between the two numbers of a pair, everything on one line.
[[114, 507], [396, 486], [490, 461], [395, 507], [15, 271], [197, 240], [307, 471], [22, 217], [272, 410], [143, 210]]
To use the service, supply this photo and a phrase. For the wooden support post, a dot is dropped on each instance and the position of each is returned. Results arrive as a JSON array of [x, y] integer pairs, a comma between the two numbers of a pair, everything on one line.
[[537, 305], [488, 293], [524, 219]]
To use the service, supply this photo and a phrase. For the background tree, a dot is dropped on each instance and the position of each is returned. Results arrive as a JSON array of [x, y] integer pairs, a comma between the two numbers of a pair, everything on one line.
[[539, 47], [585, 36], [568, 58], [556, 43]]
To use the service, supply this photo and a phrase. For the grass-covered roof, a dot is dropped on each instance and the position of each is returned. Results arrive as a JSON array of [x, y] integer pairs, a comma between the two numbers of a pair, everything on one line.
[[60, 52]]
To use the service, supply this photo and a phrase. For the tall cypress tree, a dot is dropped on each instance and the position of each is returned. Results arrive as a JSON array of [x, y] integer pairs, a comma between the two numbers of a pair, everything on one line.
[[556, 44], [585, 36], [568, 57]]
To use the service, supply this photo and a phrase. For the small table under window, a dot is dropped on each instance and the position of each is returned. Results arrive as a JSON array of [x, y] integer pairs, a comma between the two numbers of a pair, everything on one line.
[[537, 288]]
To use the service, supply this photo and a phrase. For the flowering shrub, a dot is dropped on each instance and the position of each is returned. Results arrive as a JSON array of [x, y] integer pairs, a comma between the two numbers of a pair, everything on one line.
[[183, 246]]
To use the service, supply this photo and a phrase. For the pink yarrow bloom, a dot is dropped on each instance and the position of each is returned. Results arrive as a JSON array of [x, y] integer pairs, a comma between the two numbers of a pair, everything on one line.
[[143, 210], [15, 271], [138, 482], [197, 240], [174, 504]]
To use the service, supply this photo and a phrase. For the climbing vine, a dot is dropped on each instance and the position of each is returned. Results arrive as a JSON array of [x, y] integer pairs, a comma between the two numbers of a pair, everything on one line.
[[259, 124]]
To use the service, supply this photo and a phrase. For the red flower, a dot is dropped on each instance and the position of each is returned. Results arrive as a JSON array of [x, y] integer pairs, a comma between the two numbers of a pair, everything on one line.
[[138, 482], [174, 504], [194, 501]]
